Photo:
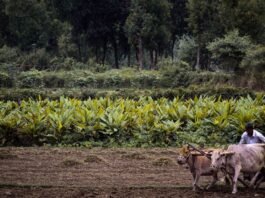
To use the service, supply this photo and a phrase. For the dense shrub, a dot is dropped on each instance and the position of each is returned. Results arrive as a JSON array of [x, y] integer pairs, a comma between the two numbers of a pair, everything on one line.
[[38, 59], [185, 49], [9, 55], [5, 80], [228, 52], [254, 60], [171, 75], [132, 93], [30, 79]]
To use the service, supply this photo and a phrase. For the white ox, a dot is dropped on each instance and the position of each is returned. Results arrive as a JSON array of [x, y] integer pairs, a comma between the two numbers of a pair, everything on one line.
[[199, 166], [245, 158]]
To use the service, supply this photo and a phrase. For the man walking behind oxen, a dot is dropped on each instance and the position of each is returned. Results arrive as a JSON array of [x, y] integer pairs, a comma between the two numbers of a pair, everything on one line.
[[251, 136]]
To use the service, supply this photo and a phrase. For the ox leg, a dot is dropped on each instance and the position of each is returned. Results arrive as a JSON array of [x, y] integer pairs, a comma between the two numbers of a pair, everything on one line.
[[196, 178], [236, 175], [215, 179], [253, 180], [193, 181], [259, 181]]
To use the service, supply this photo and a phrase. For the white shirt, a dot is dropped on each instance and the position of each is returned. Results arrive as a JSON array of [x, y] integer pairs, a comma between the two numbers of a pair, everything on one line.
[[257, 137]]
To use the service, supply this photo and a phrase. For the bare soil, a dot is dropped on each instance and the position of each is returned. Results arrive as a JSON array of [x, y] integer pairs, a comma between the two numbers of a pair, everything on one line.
[[77, 172]]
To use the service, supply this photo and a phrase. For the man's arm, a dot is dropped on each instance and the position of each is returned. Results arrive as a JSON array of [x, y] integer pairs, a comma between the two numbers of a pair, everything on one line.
[[242, 140], [261, 137]]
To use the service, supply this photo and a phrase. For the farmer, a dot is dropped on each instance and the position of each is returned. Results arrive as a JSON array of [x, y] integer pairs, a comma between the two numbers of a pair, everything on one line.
[[251, 136]]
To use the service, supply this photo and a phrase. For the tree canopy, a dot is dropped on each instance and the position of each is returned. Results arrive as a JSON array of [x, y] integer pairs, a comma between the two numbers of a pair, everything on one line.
[[116, 33]]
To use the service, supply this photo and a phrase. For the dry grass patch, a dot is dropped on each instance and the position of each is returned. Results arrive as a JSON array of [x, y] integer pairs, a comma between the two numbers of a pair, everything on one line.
[[135, 156], [163, 162], [93, 159], [70, 163]]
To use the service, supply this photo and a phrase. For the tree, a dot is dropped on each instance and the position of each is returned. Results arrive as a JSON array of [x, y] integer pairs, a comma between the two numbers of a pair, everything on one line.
[[97, 26], [148, 26], [29, 24], [246, 16], [230, 50], [3, 24], [179, 25], [254, 60], [203, 21]]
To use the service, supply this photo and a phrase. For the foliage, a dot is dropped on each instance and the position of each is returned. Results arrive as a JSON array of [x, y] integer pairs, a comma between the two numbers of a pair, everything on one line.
[[83, 93], [244, 15], [8, 55], [39, 59], [254, 59], [185, 49], [147, 25], [169, 64], [230, 50], [30, 79], [5, 80], [113, 32], [171, 74], [204, 23], [207, 120], [66, 45], [30, 24]]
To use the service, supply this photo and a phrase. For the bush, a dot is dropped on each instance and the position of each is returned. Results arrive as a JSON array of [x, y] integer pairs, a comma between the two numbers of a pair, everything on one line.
[[132, 93], [5, 80], [228, 52], [171, 68], [254, 60], [53, 81], [66, 45], [39, 59], [95, 67], [9, 55], [185, 49], [254, 63], [30, 79]]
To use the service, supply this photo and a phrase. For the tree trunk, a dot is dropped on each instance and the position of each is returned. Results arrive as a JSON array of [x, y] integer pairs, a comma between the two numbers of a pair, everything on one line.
[[96, 52], [116, 56], [104, 51], [172, 49], [198, 66], [156, 59], [79, 50], [129, 56], [140, 53], [152, 59]]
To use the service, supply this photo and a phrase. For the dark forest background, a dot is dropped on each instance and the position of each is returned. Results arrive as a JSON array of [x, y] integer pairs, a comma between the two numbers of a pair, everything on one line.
[[149, 43]]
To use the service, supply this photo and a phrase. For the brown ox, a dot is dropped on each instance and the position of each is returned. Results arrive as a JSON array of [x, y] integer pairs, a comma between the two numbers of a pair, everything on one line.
[[199, 165], [245, 158]]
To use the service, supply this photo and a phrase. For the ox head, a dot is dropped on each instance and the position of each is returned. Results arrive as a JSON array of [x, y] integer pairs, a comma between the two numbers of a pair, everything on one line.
[[219, 158], [183, 155]]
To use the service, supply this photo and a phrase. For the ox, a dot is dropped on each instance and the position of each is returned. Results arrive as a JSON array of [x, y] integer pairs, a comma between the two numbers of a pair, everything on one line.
[[245, 158], [199, 165]]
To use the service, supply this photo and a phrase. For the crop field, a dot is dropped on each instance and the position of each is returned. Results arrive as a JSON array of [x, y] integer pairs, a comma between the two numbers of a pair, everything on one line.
[[128, 123], [97, 172], [115, 148]]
